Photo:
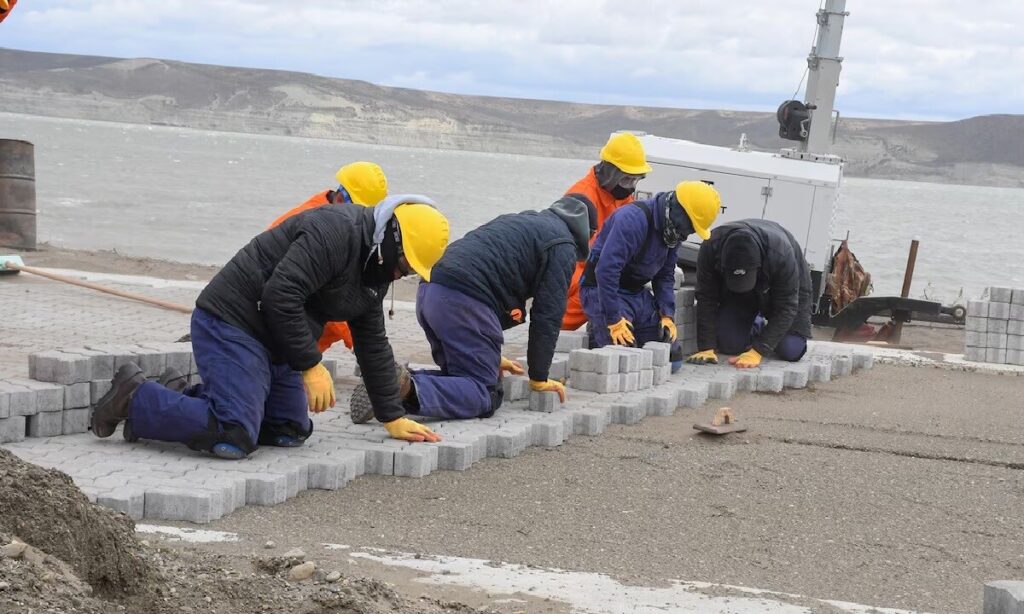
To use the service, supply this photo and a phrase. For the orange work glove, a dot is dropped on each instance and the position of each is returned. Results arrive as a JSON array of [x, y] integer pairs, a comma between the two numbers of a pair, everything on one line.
[[550, 386]]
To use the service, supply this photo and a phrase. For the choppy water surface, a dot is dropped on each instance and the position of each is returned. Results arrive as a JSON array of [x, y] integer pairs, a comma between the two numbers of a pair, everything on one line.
[[196, 196]]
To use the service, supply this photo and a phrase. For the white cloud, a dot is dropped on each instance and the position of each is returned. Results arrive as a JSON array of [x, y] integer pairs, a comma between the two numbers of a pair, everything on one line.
[[907, 58]]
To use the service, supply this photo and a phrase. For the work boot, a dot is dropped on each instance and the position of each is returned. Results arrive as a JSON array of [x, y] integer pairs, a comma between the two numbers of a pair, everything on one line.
[[112, 408], [360, 407], [171, 379]]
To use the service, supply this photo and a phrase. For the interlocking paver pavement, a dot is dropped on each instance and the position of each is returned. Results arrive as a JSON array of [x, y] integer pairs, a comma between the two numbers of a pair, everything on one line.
[[168, 481]]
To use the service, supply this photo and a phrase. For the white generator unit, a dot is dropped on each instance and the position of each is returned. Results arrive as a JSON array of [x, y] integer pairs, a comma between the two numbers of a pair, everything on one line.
[[798, 190]]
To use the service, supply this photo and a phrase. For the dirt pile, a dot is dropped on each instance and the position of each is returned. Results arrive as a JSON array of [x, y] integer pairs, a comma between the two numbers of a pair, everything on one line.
[[42, 507], [59, 553]]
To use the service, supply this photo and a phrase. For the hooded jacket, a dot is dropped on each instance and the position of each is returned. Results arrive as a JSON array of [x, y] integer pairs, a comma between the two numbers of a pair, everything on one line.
[[628, 254], [516, 257], [288, 281], [782, 292]]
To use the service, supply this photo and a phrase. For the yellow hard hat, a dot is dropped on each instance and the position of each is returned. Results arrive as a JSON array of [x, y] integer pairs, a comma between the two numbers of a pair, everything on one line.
[[424, 236], [624, 150], [364, 181], [4, 5], [702, 203]]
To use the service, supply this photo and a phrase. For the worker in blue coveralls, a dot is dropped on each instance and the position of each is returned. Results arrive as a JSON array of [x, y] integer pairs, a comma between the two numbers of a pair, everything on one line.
[[637, 246], [480, 288], [256, 325], [753, 295]]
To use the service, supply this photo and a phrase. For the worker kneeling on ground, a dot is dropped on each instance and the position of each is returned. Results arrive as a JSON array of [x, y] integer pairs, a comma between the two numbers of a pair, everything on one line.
[[753, 294], [480, 288], [255, 327], [609, 185], [359, 183], [637, 246]]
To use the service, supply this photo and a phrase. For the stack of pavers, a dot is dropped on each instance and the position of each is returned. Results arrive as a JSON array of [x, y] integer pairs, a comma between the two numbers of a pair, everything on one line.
[[64, 385], [686, 315], [163, 481], [995, 327]]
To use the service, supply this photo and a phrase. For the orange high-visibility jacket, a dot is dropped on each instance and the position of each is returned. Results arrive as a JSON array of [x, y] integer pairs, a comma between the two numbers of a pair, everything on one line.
[[333, 331], [605, 204]]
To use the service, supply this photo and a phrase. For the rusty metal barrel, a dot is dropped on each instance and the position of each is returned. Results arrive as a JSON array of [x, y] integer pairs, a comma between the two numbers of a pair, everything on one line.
[[17, 194]]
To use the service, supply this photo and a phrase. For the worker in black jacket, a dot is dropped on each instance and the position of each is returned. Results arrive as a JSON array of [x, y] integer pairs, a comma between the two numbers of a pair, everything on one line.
[[256, 325], [479, 289], [753, 294]]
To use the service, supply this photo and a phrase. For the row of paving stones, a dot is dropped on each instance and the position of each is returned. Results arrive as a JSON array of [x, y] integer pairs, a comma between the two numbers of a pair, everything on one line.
[[169, 482]]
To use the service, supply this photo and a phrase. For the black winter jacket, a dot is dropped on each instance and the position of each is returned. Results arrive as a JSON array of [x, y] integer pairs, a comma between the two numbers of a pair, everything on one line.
[[783, 287], [289, 281], [516, 257]]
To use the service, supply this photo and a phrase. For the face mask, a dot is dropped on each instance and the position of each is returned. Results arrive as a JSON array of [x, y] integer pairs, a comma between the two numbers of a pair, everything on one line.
[[677, 223], [620, 192]]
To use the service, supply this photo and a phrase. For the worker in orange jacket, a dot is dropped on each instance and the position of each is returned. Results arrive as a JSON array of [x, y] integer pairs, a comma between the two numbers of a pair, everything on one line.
[[609, 184], [359, 183], [6, 6]]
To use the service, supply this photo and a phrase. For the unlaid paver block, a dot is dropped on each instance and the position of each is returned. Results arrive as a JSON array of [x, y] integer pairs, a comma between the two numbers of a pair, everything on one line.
[[571, 340], [659, 352], [629, 382], [98, 388], [12, 429], [594, 361], [999, 294], [998, 311], [516, 387], [1016, 312], [977, 309], [646, 356], [151, 361], [976, 325], [28, 396], [1014, 342], [193, 505], [996, 355], [975, 339], [545, 401], [997, 326], [59, 367], [454, 455], [1015, 327], [77, 396], [646, 378], [863, 360], [995, 340], [129, 501], [686, 296], [5, 404], [122, 354], [974, 354], [661, 403], [770, 380], [1018, 296], [75, 420], [693, 394], [628, 413], [661, 374], [1003, 597], [594, 382], [548, 434], [45, 424], [796, 376]]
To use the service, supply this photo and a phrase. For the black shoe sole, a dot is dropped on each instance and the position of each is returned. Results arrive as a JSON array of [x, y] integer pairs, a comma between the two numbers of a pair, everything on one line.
[[112, 408]]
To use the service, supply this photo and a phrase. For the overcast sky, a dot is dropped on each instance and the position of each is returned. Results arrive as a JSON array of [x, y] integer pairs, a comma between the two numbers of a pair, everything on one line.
[[929, 59]]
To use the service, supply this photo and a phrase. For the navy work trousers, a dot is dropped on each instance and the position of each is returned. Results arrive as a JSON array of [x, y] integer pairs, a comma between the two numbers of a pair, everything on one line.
[[243, 394], [739, 320], [465, 340], [640, 310]]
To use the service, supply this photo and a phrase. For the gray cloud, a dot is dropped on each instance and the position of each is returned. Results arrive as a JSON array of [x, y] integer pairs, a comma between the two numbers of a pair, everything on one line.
[[909, 58]]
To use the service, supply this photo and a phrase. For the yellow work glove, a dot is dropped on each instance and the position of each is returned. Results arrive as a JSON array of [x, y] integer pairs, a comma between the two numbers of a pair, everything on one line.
[[746, 360], [549, 386], [622, 332], [319, 388], [510, 366], [669, 325], [707, 357], [410, 430]]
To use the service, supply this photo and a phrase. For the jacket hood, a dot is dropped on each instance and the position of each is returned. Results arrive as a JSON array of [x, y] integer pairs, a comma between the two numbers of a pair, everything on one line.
[[385, 210], [576, 214]]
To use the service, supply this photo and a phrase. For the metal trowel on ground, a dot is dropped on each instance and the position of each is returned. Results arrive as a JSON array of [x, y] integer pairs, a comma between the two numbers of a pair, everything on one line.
[[724, 422]]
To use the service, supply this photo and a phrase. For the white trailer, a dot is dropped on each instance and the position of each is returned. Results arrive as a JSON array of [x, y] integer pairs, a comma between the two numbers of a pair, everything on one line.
[[799, 191]]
